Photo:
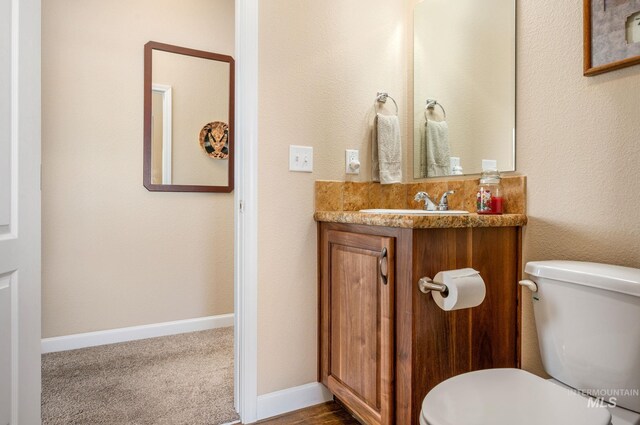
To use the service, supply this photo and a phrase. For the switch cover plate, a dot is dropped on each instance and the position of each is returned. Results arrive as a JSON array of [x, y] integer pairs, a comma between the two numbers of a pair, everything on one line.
[[300, 158], [352, 155]]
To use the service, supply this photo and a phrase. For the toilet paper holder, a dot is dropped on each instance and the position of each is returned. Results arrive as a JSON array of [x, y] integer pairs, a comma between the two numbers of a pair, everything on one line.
[[426, 285]]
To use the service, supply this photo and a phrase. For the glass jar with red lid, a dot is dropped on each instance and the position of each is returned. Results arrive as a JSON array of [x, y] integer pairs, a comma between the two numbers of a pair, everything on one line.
[[489, 199]]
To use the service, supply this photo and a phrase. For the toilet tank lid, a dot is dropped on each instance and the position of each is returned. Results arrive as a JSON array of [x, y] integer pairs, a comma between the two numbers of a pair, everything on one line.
[[625, 280]]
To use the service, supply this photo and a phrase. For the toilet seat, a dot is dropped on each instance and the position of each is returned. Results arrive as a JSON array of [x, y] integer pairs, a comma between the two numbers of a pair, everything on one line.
[[507, 397]]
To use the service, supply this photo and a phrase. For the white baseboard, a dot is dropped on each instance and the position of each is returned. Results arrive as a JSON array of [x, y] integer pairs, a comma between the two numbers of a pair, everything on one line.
[[133, 333], [290, 399]]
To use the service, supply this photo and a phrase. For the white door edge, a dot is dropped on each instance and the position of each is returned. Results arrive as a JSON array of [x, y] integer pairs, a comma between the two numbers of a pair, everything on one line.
[[246, 211], [20, 268]]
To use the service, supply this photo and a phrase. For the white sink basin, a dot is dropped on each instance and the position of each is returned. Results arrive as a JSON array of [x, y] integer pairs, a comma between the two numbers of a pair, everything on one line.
[[413, 212]]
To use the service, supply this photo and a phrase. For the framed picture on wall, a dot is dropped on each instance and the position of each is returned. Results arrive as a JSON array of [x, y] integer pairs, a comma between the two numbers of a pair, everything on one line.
[[611, 35]]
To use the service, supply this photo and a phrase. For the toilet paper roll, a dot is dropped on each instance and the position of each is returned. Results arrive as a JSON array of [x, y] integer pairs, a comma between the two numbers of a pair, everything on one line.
[[466, 289]]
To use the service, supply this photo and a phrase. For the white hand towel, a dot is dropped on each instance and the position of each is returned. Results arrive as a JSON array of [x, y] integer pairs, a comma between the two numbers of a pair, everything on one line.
[[387, 150], [435, 153]]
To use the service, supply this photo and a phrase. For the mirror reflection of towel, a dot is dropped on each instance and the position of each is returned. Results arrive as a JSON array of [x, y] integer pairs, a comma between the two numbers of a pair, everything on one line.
[[434, 145], [387, 150]]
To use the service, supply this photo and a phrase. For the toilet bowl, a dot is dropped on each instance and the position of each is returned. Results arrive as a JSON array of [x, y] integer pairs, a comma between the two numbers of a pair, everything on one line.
[[586, 316], [507, 397]]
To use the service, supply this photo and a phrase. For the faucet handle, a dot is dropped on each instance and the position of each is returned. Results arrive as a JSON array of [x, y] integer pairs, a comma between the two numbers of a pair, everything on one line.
[[421, 196], [444, 200], [428, 203]]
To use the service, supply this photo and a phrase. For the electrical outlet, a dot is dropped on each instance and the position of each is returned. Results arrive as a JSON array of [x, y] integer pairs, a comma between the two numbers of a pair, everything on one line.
[[352, 161], [300, 158]]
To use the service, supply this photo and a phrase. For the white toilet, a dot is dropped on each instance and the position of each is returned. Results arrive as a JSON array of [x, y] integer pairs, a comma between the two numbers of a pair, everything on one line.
[[588, 321]]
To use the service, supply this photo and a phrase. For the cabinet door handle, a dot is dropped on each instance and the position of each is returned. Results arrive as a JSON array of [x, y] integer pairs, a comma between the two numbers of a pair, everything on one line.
[[383, 265]]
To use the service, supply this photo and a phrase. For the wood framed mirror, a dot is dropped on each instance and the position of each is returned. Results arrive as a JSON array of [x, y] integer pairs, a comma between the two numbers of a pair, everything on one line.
[[188, 119]]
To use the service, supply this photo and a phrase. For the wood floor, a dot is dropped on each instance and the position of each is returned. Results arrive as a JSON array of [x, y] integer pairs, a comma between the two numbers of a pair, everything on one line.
[[323, 414]]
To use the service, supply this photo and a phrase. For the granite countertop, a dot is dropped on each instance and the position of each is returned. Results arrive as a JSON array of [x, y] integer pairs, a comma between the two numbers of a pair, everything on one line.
[[422, 221]]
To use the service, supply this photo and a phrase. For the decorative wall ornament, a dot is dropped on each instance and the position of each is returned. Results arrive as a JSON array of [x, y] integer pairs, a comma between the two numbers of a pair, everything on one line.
[[611, 35], [214, 139]]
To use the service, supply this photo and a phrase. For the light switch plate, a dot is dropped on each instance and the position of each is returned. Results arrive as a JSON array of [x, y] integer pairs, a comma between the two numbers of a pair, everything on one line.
[[300, 158]]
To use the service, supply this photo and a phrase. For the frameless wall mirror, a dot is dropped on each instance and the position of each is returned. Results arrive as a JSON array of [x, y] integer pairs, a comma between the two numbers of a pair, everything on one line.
[[464, 86], [188, 119]]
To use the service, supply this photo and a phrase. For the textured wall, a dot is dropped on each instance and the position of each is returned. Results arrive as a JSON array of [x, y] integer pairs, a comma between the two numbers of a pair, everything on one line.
[[321, 64], [114, 254], [578, 144], [576, 136], [107, 240]]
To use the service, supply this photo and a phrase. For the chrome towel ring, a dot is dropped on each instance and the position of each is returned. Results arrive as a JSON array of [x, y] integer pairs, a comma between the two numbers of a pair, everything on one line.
[[431, 103], [382, 97]]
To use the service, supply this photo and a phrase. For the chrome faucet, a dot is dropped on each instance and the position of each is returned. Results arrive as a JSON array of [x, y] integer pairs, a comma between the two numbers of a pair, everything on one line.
[[444, 201], [428, 203]]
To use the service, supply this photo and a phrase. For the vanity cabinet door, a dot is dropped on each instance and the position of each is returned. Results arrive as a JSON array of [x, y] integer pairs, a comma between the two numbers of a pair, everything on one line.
[[357, 289]]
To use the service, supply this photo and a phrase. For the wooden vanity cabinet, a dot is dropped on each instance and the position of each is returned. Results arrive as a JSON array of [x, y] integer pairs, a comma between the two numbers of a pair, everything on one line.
[[359, 305], [382, 343]]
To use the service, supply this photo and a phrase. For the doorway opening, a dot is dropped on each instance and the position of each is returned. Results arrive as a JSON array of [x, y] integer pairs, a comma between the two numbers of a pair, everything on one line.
[[88, 180]]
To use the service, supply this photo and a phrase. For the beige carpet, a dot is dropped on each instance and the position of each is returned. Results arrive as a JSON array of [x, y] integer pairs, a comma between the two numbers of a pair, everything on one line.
[[181, 379]]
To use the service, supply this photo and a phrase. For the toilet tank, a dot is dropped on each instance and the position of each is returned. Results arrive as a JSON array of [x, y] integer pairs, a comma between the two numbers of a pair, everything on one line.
[[588, 321]]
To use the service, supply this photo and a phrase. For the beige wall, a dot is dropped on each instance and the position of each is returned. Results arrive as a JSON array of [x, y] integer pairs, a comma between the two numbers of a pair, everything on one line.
[[576, 142], [578, 145], [114, 254], [107, 240], [321, 64]]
